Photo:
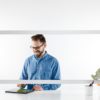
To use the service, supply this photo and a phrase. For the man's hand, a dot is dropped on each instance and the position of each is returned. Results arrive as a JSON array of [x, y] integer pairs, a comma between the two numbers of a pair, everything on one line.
[[37, 88], [21, 85]]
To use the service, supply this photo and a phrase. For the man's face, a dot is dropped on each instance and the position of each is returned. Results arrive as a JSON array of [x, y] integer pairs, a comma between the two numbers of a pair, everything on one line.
[[38, 47]]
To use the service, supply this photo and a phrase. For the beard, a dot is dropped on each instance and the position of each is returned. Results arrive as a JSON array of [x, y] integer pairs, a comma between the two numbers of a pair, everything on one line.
[[38, 53]]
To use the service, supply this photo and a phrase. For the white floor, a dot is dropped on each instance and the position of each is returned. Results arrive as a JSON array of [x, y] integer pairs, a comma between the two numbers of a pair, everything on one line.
[[66, 92]]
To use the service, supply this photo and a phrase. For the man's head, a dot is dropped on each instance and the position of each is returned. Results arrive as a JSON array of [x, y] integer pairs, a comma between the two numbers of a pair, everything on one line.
[[38, 44]]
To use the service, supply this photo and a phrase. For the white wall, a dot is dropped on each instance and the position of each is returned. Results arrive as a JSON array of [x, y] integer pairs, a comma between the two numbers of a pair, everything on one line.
[[81, 53], [78, 54], [49, 14]]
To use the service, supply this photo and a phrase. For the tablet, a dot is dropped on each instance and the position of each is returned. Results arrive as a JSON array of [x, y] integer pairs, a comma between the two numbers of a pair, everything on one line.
[[20, 91]]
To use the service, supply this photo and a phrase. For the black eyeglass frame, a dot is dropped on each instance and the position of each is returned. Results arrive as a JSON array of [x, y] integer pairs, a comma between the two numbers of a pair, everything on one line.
[[38, 47]]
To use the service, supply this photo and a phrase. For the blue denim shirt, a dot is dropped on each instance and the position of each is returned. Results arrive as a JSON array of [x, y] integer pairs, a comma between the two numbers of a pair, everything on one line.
[[44, 68]]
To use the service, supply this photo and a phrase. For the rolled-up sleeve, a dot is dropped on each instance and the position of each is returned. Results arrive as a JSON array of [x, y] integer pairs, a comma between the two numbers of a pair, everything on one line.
[[56, 75], [24, 75]]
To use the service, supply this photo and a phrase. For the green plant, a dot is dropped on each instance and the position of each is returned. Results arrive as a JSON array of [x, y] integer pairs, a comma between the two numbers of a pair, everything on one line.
[[95, 77]]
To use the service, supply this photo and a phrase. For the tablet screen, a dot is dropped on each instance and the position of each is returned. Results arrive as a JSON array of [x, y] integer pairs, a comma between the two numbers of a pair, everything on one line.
[[21, 91]]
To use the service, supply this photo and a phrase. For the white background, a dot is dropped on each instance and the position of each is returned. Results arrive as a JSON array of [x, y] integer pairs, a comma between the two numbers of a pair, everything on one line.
[[49, 14], [79, 56], [78, 52]]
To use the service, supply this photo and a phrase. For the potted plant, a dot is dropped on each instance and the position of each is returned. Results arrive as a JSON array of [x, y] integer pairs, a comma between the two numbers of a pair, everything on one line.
[[95, 77]]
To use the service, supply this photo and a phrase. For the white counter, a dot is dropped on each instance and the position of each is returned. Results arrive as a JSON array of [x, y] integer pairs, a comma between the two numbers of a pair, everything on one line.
[[66, 92]]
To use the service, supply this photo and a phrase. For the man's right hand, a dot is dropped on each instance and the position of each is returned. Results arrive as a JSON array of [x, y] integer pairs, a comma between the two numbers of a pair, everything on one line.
[[21, 85]]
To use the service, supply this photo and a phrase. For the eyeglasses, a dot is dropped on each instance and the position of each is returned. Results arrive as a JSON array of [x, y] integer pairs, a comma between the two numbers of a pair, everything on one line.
[[38, 47]]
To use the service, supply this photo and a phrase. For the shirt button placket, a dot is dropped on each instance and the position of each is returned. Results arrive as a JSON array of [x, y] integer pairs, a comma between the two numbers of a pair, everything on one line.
[[37, 70]]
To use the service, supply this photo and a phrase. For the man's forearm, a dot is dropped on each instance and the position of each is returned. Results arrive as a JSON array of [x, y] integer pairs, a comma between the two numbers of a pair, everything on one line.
[[51, 86], [54, 86]]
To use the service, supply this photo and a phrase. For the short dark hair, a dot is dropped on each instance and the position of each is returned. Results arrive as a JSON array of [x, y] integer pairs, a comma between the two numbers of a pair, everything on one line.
[[39, 37]]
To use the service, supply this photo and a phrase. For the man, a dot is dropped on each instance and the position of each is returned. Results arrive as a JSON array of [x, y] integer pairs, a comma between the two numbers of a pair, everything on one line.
[[40, 66]]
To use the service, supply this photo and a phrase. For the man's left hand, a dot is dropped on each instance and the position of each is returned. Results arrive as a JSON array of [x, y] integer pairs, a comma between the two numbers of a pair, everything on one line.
[[37, 88]]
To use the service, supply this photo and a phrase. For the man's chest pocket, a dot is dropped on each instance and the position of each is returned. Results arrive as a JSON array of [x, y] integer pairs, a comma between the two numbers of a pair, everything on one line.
[[46, 73]]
